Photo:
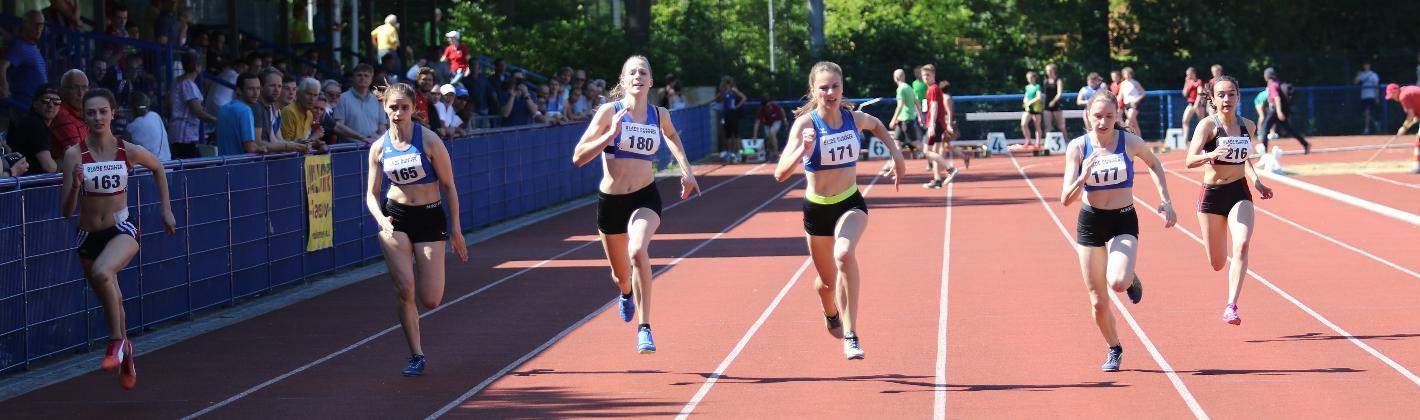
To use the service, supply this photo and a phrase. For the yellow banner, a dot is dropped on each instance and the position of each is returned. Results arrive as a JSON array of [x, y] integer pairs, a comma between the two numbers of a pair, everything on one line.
[[318, 190]]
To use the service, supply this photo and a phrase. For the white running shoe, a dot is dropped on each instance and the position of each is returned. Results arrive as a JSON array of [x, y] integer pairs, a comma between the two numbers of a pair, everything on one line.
[[852, 349]]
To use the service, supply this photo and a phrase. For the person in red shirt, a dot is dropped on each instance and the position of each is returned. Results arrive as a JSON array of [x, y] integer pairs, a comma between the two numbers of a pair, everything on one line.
[[1409, 98], [1114, 80], [67, 128], [456, 54], [771, 117], [1191, 85]]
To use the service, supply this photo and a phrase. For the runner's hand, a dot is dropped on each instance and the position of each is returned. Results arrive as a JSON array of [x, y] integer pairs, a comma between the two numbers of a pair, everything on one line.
[[688, 184], [457, 241], [1263, 190], [1166, 209]]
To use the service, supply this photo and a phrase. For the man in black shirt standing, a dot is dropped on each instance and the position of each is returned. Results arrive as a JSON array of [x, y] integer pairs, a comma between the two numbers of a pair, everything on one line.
[[29, 134]]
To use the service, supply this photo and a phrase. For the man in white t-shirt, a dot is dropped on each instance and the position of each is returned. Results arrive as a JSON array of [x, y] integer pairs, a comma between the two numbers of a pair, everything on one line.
[[1370, 94]]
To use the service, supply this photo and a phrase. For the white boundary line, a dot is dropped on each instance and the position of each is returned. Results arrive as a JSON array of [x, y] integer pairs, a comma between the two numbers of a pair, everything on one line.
[[939, 400], [1335, 328], [1388, 180], [347, 349], [1257, 207], [1400, 215], [764, 316], [1139, 331], [491, 379]]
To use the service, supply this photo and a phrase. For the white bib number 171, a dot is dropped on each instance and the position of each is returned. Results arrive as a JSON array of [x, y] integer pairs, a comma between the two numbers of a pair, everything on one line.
[[838, 148]]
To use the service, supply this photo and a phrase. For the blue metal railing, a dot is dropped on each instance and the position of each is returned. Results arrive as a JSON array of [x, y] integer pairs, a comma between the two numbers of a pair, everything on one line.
[[242, 229]]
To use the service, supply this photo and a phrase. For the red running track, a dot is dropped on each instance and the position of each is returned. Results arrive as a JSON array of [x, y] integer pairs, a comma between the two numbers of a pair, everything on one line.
[[740, 333]]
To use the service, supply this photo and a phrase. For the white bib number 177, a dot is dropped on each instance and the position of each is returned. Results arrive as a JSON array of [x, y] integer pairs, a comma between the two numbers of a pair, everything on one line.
[[1108, 170], [641, 139]]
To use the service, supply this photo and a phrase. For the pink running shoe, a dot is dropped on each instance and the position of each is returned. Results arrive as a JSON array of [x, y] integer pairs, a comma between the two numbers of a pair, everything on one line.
[[1230, 315]]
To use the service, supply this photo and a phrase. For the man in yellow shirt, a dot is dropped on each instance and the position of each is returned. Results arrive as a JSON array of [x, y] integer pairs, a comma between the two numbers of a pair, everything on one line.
[[386, 38], [298, 117]]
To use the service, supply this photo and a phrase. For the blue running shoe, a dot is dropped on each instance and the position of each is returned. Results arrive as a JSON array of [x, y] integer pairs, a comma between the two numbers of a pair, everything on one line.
[[1112, 363], [416, 365], [1135, 291], [628, 307], [644, 343]]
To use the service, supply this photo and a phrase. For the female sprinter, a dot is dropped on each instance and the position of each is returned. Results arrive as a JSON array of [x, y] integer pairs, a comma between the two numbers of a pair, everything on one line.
[[1222, 145], [824, 138], [96, 180], [1054, 95], [1100, 166], [1033, 102], [627, 133], [413, 227], [1196, 104]]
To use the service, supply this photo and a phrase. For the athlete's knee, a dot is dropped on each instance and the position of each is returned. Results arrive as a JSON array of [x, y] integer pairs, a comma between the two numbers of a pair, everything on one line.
[[1119, 284], [430, 302], [102, 278], [843, 256]]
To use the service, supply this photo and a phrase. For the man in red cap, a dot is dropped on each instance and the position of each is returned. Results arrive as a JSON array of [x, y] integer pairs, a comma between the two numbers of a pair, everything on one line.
[[1409, 98]]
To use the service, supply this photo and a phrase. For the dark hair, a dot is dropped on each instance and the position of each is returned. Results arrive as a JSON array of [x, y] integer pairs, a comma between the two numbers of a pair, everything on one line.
[[116, 7], [1208, 87], [140, 102], [402, 89], [189, 61], [365, 67], [244, 77], [288, 78], [267, 72], [101, 93]]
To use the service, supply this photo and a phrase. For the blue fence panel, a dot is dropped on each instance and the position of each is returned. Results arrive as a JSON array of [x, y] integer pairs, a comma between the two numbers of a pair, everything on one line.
[[241, 230]]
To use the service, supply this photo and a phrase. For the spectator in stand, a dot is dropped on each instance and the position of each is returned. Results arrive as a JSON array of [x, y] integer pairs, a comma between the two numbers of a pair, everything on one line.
[[146, 129], [518, 106], [556, 104], [12, 169], [358, 114], [330, 90], [298, 119], [465, 108], [236, 126], [137, 78], [105, 76], [444, 107], [1094, 84], [771, 116], [483, 94], [325, 116], [427, 84], [133, 31], [579, 81], [674, 99], [68, 126], [165, 26], [500, 73], [266, 117], [386, 38], [217, 53], [564, 79], [63, 13], [389, 74], [288, 90], [1370, 95], [456, 54], [299, 30], [219, 95], [29, 134], [22, 70], [197, 41], [413, 72], [117, 28], [186, 113]]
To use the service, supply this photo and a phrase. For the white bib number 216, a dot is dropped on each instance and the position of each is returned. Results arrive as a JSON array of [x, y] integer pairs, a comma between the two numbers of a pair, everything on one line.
[[1108, 170], [641, 139], [1238, 148], [838, 148]]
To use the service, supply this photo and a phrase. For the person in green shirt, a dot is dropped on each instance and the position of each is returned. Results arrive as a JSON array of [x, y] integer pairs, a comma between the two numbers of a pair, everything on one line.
[[1260, 102], [920, 88], [905, 126], [299, 30], [1033, 102]]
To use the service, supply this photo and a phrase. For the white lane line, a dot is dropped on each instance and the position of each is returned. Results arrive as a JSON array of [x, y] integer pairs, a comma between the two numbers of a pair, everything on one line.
[[1384, 261], [939, 401], [1378, 208], [1335, 328], [396, 326], [1388, 180], [514, 365], [744, 341], [1148, 344]]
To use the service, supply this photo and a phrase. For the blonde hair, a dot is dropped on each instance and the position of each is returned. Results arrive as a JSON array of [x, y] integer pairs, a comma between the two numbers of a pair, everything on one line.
[[813, 102], [617, 92], [928, 67]]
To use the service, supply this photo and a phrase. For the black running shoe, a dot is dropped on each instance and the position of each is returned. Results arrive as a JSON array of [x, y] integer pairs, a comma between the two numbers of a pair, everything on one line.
[[1135, 291], [1112, 363], [835, 326]]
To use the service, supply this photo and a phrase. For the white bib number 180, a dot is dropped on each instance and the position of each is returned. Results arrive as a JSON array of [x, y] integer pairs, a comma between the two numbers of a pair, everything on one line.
[[641, 139]]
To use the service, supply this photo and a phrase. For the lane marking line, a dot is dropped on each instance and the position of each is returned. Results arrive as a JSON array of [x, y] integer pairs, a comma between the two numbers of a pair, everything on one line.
[[396, 326], [939, 401]]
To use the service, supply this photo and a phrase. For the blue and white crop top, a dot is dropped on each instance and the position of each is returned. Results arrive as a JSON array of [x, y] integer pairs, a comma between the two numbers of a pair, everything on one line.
[[636, 140], [1111, 171], [833, 148], [409, 166]]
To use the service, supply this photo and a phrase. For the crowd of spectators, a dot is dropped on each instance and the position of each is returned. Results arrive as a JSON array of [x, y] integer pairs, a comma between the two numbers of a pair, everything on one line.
[[231, 98]]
